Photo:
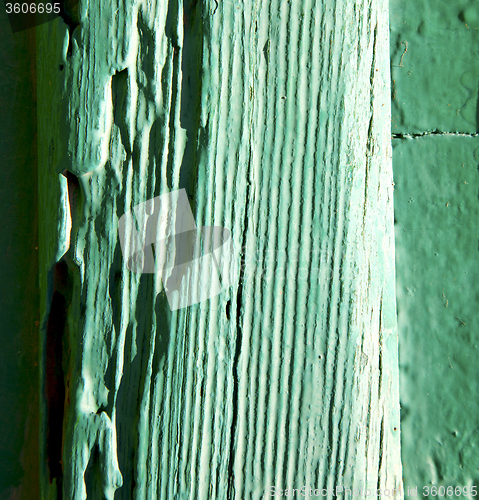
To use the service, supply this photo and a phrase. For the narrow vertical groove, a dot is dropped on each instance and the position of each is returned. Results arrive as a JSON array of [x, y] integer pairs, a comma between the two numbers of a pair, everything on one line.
[[231, 493]]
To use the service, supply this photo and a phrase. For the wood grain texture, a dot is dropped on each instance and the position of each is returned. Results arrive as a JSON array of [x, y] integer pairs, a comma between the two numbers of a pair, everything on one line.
[[275, 118]]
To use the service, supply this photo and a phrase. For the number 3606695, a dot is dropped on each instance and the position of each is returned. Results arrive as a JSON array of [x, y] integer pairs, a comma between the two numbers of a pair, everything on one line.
[[32, 8]]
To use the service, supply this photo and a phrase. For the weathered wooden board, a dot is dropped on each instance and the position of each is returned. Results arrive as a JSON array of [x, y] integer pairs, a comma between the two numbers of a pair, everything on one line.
[[275, 119]]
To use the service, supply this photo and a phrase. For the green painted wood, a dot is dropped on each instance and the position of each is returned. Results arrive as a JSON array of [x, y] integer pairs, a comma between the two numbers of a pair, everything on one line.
[[274, 117]]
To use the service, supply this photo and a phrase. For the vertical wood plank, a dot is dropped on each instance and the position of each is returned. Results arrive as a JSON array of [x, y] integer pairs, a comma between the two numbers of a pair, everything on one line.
[[275, 119]]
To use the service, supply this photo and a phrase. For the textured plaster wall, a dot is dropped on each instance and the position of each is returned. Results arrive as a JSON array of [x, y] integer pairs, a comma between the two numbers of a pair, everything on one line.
[[435, 85]]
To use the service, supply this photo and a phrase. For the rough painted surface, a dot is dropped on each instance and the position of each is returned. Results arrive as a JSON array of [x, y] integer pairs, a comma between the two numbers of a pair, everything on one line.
[[434, 65], [436, 210], [274, 117], [435, 88], [19, 307]]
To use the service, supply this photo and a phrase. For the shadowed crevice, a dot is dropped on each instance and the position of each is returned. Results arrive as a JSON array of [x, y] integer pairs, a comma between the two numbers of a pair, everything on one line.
[[93, 476], [74, 191], [191, 89], [69, 14], [231, 493], [120, 100], [56, 361]]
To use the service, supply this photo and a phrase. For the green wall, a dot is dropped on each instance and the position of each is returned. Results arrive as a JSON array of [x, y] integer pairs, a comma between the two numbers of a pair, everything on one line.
[[435, 164], [19, 298]]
